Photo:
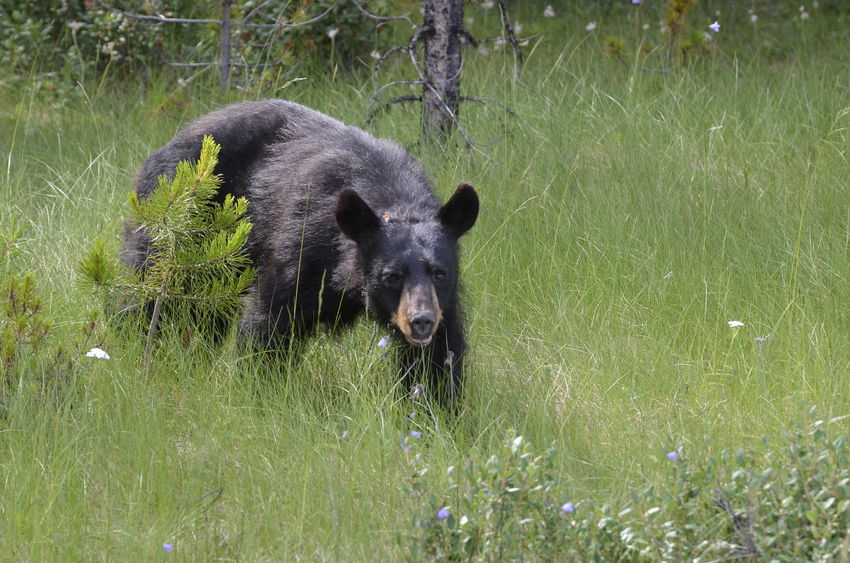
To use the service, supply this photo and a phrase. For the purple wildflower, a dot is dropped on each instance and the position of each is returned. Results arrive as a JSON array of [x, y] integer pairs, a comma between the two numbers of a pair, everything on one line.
[[405, 447], [635, 1], [382, 343], [568, 507], [673, 456], [715, 27], [344, 434], [443, 513], [416, 434], [167, 547]]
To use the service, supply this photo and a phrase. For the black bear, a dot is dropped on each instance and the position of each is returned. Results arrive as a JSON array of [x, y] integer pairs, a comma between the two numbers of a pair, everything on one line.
[[343, 223]]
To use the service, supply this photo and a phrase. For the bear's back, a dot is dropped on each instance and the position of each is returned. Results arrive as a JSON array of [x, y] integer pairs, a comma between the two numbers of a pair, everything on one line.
[[314, 157]]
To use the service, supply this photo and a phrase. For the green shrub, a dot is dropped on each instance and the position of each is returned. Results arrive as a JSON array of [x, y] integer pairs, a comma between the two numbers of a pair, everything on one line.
[[23, 327], [792, 503], [32, 351], [345, 34], [198, 266], [73, 36], [789, 502], [62, 40], [508, 505]]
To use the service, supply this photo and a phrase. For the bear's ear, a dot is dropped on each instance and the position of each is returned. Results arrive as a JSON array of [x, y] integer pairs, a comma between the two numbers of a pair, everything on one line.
[[354, 216], [460, 212]]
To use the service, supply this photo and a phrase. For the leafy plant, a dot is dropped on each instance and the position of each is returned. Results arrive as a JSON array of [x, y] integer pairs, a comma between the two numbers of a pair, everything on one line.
[[72, 36], [343, 35], [679, 48], [198, 262], [791, 502], [786, 503], [23, 327], [504, 506]]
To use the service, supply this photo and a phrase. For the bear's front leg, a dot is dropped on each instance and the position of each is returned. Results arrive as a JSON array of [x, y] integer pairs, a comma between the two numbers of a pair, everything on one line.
[[440, 365]]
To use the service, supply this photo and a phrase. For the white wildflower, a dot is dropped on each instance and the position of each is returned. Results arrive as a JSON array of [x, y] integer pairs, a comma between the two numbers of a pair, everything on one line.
[[97, 353]]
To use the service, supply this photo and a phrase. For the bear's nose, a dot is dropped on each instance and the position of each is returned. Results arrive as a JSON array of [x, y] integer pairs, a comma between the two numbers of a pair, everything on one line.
[[422, 325]]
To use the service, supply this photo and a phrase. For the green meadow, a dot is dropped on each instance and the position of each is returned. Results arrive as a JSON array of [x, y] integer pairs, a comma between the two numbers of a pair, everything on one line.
[[626, 217]]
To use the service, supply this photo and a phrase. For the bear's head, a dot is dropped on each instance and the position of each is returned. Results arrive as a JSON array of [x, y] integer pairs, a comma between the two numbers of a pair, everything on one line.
[[410, 264]]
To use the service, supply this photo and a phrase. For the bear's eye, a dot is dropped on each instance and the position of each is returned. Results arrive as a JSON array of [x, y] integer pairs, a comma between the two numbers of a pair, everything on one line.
[[393, 278], [439, 275]]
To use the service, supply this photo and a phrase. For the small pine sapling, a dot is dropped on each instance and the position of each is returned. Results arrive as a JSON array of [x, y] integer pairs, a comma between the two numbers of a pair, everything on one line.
[[23, 328], [198, 247]]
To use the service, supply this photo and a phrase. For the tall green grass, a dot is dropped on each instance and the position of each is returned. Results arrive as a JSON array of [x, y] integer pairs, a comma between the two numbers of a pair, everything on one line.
[[627, 217]]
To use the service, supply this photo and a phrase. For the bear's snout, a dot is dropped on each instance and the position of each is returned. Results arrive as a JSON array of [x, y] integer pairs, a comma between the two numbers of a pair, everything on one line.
[[422, 325], [418, 314]]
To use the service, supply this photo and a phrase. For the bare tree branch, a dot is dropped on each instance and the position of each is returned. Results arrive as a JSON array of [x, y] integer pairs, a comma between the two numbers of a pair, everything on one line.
[[385, 56], [376, 106], [383, 18], [468, 37], [509, 30], [411, 51], [395, 83], [256, 10], [486, 100], [215, 63], [370, 115], [520, 40], [159, 19], [742, 524]]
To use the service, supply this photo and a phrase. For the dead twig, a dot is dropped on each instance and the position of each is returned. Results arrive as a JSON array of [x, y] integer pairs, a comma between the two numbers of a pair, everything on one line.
[[520, 40], [370, 15], [486, 100], [388, 54], [370, 115], [742, 524], [509, 31], [411, 50], [376, 105], [160, 19]]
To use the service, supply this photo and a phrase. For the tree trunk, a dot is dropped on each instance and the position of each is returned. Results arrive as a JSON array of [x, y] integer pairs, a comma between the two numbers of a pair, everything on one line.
[[443, 21], [224, 58]]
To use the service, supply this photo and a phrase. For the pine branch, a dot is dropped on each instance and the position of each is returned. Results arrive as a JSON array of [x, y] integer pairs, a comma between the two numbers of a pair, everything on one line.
[[197, 253]]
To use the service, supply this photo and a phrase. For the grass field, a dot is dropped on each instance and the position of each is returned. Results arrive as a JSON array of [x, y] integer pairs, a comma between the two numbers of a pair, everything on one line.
[[628, 216]]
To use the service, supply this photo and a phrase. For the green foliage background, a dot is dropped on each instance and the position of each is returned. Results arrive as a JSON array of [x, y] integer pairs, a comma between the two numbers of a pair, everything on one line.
[[628, 217]]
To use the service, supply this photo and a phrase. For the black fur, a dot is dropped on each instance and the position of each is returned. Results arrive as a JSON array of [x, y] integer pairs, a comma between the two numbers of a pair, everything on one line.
[[343, 223]]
